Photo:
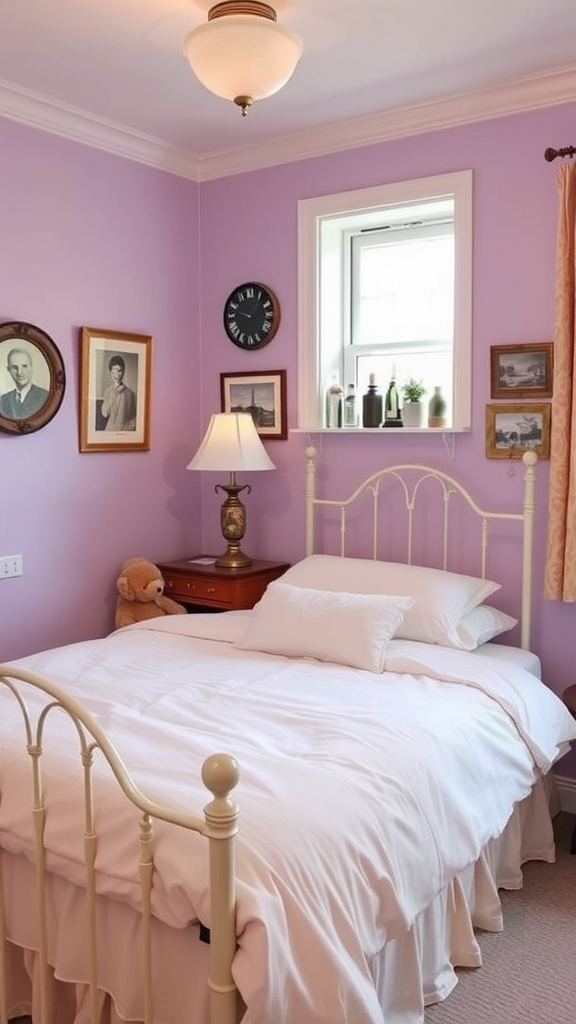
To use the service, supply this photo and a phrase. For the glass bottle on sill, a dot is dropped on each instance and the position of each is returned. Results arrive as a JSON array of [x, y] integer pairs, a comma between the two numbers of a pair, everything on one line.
[[334, 402], [350, 407], [437, 408], [372, 404], [392, 416]]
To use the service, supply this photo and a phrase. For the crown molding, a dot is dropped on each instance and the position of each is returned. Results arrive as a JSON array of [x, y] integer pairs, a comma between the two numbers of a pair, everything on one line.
[[69, 122], [545, 89]]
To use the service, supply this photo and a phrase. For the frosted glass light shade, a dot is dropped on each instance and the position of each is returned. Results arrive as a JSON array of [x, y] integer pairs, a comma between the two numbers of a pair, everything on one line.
[[231, 443], [243, 57]]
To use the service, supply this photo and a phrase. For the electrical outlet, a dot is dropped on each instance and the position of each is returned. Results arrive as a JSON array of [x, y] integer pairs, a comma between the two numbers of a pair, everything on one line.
[[10, 565]]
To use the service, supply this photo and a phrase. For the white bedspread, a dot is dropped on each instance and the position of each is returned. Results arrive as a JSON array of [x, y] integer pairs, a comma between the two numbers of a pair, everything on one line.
[[360, 796]]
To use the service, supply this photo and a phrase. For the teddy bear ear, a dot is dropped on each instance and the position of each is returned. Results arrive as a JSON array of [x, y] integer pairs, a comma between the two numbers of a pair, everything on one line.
[[124, 588]]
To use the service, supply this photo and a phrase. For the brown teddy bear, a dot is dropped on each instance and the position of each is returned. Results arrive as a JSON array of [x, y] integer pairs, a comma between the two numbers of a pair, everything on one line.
[[141, 593]]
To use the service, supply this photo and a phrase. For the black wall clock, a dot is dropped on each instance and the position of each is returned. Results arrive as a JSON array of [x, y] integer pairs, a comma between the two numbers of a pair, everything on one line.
[[251, 315]]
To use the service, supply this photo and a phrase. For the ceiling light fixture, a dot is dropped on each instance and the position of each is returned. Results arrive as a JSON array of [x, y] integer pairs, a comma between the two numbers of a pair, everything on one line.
[[242, 53]]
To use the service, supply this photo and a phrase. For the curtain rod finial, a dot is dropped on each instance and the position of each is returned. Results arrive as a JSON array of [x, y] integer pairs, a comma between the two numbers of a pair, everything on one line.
[[551, 154]]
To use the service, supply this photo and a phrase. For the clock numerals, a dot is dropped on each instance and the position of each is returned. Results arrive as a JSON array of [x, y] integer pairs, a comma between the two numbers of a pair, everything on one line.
[[242, 337]]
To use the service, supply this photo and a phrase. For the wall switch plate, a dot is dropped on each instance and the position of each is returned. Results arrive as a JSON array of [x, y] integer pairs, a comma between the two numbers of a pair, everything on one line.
[[10, 565]]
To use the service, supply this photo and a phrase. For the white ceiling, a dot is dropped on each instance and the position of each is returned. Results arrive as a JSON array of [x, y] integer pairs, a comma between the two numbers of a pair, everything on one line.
[[113, 72]]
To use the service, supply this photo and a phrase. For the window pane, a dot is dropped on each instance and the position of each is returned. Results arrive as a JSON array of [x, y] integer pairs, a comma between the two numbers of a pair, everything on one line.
[[406, 291]]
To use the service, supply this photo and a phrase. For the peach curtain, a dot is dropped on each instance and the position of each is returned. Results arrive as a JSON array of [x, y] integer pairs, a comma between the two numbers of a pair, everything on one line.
[[560, 570]]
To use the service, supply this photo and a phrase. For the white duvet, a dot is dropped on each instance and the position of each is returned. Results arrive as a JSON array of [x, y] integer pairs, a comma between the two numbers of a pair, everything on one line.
[[360, 795]]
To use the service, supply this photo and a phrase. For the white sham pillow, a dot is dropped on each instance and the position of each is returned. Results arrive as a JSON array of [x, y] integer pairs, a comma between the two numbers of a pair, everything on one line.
[[441, 599], [346, 629], [479, 626]]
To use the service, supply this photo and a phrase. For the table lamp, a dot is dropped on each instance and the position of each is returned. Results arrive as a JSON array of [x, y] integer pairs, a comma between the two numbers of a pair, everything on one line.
[[232, 443]]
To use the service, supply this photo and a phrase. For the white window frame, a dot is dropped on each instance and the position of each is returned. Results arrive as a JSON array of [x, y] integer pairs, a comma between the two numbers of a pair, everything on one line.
[[320, 331]]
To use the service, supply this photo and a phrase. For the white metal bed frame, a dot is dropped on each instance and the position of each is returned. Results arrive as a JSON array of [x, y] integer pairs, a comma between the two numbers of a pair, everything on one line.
[[410, 485], [219, 773]]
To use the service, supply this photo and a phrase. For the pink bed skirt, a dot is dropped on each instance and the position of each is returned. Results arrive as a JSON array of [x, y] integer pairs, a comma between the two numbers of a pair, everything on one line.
[[409, 973]]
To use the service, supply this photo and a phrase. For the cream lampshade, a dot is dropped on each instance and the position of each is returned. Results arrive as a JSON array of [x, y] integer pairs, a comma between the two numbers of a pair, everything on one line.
[[232, 443]]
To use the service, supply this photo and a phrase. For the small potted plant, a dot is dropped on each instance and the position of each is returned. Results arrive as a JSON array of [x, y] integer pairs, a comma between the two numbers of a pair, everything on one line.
[[412, 407]]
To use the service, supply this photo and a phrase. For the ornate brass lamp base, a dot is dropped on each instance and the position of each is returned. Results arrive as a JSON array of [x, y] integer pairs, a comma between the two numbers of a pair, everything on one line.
[[233, 525]]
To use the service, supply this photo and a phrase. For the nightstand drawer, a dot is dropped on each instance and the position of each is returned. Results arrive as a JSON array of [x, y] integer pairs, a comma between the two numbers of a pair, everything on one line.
[[213, 591], [200, 583]]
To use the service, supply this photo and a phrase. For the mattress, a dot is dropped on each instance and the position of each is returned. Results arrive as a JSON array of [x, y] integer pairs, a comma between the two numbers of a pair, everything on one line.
[[513, 655]]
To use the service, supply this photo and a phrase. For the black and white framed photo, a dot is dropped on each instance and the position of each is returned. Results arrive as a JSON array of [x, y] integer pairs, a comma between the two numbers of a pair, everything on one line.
[[514, 429], [115, 369], [32, 378], [521, 371]]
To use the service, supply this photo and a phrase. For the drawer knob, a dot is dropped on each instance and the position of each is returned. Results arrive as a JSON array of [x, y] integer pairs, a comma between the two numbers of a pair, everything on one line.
[[210, 590]]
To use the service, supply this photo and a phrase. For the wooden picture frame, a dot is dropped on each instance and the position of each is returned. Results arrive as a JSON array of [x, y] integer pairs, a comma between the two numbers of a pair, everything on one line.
[[514, 429], [115, 370], [32, 378], [521, 371], [261, 393]]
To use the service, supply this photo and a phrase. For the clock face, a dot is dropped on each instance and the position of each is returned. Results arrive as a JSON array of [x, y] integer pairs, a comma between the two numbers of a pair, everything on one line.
[[251, 315]]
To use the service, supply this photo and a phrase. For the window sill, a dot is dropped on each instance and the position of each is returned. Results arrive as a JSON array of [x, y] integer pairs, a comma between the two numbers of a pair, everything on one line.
[[379, 430]]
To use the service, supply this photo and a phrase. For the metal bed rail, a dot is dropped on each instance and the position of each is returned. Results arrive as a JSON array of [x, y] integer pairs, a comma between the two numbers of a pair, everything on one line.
[[219, 774]]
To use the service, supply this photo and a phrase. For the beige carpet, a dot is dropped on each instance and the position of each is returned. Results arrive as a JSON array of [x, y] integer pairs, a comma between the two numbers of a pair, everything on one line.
[[528, 974]]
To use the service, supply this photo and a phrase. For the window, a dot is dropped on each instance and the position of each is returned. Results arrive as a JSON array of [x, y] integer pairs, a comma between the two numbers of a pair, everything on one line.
[[385, 288]]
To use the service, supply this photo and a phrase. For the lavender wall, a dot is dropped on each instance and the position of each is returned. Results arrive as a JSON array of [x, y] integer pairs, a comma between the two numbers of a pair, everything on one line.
[[250, 232], [91, 239]]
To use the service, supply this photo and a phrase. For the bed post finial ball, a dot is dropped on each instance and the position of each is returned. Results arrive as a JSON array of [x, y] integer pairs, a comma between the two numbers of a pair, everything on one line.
[[220, 774], [530, 458]]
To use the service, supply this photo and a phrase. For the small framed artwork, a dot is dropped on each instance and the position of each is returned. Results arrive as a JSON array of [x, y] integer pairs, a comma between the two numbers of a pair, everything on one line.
[[261, 394], [512, 430], [115, 372], [521, 371], [32, 378]]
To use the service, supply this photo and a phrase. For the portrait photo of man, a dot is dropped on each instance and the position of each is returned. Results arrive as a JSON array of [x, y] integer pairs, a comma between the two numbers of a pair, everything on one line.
[[26, 398], [114, 390]]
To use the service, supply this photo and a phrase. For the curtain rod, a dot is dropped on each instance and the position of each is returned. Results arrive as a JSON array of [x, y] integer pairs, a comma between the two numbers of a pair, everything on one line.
[[551, 154]]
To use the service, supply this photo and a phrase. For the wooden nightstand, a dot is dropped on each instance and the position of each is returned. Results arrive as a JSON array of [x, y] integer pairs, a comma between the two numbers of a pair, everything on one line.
[[209, 586]]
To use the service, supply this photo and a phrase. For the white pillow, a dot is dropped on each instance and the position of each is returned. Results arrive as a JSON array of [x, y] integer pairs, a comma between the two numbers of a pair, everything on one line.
[[441, 599], [347, 629], [479, 626]]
